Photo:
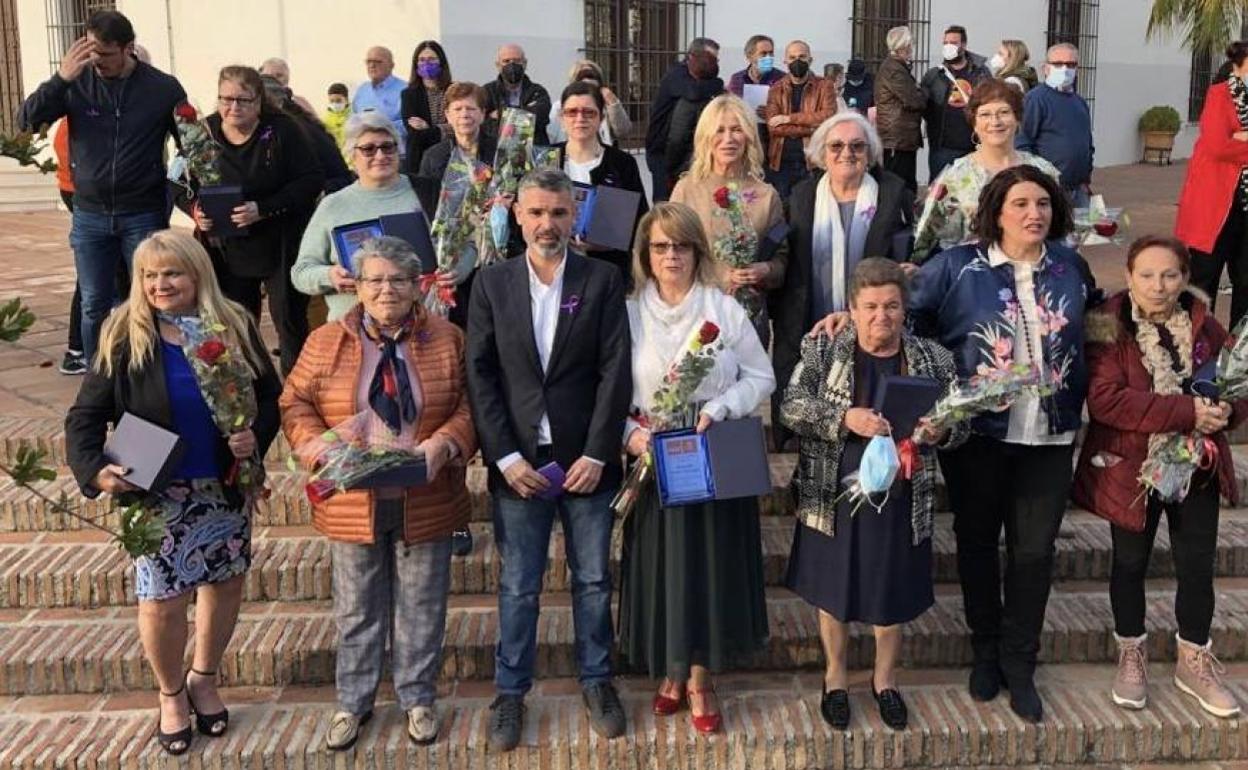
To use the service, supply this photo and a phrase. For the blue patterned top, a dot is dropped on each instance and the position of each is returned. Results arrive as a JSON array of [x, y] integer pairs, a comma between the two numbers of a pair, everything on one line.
[[191, 418]]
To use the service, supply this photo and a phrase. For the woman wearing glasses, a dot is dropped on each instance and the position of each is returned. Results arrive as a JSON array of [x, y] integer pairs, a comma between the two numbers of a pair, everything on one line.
[[852, 210], [267, 154]]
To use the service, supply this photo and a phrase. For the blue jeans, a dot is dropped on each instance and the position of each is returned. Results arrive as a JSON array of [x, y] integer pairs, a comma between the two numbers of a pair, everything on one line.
[[522, 536], [101, 242]]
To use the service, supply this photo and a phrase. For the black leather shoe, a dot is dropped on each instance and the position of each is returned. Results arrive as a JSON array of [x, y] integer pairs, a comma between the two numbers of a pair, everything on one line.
[[985, 680], [210, 725], [1025, 701], [506, 722], [834, 706], [176, 743], [893, 710]]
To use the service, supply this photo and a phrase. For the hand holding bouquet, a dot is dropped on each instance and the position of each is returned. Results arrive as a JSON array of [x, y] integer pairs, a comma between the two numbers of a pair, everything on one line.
[[737, 246], [352, 451]]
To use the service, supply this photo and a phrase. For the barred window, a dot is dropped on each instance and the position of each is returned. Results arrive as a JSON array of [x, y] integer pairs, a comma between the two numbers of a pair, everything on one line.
[[636, 42], [873, 19], [67, 21], [1075, 22]]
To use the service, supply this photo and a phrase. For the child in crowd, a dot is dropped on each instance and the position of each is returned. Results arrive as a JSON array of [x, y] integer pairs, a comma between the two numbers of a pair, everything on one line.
[[335, 118]]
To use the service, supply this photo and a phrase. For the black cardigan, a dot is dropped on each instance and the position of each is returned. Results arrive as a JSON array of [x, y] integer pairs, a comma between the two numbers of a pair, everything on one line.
[[414, 103], [617, 169], [102, 400]]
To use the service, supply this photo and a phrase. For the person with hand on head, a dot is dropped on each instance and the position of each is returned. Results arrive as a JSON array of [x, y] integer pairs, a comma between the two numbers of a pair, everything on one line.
[[1057, 123], [691, 592], [1146, 349], [424, 102], [391, 361], [143, 370], [513, 88], [1009, 63], [615, 125], [688, 84], [949, 88], [382, 92], [899, 107], [548, 375], [796, 106]]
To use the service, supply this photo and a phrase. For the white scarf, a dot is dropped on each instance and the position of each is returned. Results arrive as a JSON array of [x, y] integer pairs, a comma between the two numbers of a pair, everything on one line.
[[828, 236], [666, 330]]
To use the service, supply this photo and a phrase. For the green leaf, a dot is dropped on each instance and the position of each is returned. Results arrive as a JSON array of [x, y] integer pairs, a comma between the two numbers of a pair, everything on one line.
[[15, 320], [141, 531]]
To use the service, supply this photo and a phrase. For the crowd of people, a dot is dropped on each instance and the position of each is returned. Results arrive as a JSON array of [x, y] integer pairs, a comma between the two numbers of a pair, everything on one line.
[[559, 354]]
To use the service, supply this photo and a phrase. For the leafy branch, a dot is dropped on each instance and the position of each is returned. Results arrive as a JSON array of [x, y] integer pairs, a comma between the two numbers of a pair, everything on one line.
[[25, 147], [15, 320]]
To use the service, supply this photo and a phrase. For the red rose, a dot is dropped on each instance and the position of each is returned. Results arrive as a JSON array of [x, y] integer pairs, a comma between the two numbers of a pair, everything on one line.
[[210, 351], [939, 192], [186, 112], [319, 491], [1106, 228], [723, 197], [708, 333]]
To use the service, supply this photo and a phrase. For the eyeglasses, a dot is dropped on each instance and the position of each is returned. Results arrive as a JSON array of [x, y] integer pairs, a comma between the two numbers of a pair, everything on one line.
[[589, 113], [241, 101], [385, 148], [999, 115], [667, 247], [856, 147], [375, 284], [1067, 64]]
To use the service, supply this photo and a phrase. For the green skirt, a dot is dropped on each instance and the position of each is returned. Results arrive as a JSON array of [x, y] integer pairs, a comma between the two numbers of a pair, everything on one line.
[[691, 588]]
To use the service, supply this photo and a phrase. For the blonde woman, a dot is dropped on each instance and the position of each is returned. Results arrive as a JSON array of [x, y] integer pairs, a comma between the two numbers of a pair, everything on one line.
[[141, 369], [727, 154], [1010, 64], [615, 121]]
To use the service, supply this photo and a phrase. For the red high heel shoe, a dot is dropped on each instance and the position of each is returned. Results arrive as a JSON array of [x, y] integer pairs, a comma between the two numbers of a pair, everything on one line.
[[665, 706], [706, 723]]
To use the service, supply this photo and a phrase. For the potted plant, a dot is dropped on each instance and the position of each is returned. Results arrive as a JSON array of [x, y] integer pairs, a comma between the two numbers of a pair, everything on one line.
[[1157, 126]]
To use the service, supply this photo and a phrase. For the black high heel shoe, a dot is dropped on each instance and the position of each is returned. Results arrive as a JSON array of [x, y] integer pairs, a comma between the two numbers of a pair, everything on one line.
[[211, 725], [176, 743]]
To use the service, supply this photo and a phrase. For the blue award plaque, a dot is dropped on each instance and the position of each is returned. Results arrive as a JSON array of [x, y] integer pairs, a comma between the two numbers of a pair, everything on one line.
[[682, 468], [349, 238]]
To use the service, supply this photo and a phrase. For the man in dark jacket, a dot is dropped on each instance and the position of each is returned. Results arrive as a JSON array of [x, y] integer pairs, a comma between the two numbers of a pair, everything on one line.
[[948, 88], [899, 106], [680, 82], [120, 111], [513, 88]]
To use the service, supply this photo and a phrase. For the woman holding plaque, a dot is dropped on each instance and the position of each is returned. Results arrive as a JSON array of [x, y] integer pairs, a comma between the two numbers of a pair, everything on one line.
[[589, 163], [155, 350], [853, 560], [391, 361], [691, 596]]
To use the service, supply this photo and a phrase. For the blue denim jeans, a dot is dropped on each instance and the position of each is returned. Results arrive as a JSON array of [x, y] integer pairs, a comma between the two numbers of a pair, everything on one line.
[[522, 535], [101, 242]]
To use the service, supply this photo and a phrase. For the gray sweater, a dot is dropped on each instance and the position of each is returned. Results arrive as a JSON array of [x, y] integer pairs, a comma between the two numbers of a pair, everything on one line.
[[310, 273]]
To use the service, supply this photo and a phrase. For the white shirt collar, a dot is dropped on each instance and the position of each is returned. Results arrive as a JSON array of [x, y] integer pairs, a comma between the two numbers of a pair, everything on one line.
[[997, 257], [535, 282]]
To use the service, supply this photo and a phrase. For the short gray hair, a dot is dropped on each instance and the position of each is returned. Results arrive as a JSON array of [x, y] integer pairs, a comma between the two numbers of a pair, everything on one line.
[[396, 251], [817, 150], [898, 38], [367, 123], [1061, 46], [545, 178]]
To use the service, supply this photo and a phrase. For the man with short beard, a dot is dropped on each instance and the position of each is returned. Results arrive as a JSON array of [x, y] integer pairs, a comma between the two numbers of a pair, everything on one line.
[[550, 379]]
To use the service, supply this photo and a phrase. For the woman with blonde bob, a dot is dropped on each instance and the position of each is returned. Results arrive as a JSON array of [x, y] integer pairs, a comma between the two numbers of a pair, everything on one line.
[[691, 593], [1010, 64], [727, 154], [142, 369]]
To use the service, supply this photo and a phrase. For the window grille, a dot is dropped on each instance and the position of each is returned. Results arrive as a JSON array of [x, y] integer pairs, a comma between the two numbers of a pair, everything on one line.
[[871, 21], [67, 21], [1075, 22]]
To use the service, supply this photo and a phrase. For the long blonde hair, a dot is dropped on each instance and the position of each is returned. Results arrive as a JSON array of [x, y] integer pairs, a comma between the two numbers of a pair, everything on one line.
[[1016, 56], [133, 322], [703, 164]]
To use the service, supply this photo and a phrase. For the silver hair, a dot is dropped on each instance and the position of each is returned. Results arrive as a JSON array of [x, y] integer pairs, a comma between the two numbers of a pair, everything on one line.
[[396, 251], [365, 123], [545, 178], [1061, 46], [898, 38], [817, 150]]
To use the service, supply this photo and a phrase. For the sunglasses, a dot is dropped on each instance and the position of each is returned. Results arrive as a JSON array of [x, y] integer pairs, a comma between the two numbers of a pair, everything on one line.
[[857, 147], [385, 148], [581, 112]]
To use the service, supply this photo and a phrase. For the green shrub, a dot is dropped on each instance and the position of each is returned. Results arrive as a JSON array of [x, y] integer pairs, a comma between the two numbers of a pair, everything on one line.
[[1161, 118]]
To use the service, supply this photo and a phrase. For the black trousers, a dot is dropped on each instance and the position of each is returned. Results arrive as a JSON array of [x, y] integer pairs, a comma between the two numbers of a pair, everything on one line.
[[903, 163], [1229, 251], [1193, 527], [1023, 489], [288, 308]]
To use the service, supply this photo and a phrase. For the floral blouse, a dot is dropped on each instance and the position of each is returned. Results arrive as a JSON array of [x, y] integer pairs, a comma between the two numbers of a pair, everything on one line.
[[952, 201]]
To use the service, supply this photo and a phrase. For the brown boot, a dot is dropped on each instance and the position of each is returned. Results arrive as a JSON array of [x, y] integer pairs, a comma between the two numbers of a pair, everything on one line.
[[1199, 674], [1131, 684]]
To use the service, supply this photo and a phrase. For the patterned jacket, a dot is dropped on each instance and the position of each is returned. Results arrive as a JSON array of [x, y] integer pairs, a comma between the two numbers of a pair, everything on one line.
[[820, 393]]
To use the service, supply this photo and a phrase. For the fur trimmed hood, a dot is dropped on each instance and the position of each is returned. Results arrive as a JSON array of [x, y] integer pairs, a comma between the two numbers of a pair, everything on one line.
[[1111, 321]]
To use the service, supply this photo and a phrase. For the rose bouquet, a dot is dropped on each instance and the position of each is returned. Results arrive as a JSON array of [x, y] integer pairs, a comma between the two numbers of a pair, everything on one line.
[[673, 406], [993, 390], [737, 246], [456, 228], [200, 153], [1097, 225], [352, 451], [512, 160]]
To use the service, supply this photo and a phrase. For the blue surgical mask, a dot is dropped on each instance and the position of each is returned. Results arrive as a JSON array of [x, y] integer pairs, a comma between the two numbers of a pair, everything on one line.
[[499, 226], [766, 64], [879, 465], [1060, 78]]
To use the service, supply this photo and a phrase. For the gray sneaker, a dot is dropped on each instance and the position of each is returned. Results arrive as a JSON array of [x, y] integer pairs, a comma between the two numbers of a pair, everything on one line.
[[506, 722], [606, 713], [1131, 684]]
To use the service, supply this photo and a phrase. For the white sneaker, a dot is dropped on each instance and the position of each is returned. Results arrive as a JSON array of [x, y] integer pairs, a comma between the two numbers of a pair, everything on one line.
[[344, 730], [422, 724]]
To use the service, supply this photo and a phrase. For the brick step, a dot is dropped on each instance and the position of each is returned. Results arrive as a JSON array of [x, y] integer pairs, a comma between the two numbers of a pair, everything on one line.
[[770, 721], [74, 651], [292, 564]]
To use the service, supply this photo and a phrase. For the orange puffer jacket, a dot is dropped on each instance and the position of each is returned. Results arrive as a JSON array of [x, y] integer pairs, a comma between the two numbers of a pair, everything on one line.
[[321, 391]]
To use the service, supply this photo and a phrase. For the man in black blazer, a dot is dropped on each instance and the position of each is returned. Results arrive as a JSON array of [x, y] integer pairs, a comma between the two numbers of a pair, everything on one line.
[[550, 379]]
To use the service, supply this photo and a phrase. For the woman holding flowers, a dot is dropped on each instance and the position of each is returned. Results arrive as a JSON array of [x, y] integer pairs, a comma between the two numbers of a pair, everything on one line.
[[402, 368], [1146, 346], [876, 566], [725, 187], [182, 356], [691, 596]]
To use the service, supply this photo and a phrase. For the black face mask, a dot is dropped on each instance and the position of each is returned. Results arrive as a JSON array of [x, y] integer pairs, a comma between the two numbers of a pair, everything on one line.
[[512, 73], [799, 68]]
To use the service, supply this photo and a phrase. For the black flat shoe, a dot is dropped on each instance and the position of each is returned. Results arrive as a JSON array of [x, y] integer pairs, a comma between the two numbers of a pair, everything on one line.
[[893, 710], [210, 725], [176, 743], [985, 680], [1025, 701], [834, 706]]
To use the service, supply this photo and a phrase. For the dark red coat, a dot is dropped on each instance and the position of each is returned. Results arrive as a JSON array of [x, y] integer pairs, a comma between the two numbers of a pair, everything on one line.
[[1124, 411], [1212, 172]]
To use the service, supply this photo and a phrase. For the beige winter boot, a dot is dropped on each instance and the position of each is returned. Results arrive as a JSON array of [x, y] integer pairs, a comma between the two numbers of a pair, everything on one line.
[[1199, 674], [1131, 684]]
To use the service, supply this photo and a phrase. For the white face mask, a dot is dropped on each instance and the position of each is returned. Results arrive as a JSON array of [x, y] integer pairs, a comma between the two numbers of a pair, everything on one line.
[[1060, 78], [996, 63], [949, 51]]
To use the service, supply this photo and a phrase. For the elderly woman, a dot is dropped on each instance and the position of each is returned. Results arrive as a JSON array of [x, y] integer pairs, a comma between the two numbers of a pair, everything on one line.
[[727, 155], [1145, 346], [391, 547], [1213, 205], [423, 103], [852, 210], [994, 112], [899, 106], [587, 161], [143, 369], [867, 568], [1017, 297], [269, 155], [691, 596], [614, 125]]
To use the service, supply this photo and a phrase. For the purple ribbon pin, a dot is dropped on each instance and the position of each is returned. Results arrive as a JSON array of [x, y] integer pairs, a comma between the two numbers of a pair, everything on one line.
[[572, 305], [424, 336]]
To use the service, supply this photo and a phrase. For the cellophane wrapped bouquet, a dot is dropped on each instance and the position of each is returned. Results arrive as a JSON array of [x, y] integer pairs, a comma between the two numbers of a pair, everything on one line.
[[457, 228], [351, 451]]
